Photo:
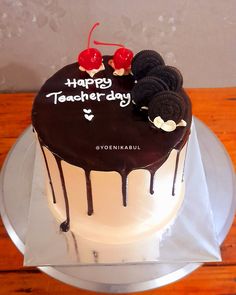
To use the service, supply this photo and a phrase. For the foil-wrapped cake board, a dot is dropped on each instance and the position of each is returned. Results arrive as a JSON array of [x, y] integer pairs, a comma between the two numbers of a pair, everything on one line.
[[116, 278]]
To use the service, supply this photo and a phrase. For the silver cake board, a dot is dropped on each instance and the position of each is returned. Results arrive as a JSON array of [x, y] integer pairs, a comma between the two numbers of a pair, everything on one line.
[[15, 183]]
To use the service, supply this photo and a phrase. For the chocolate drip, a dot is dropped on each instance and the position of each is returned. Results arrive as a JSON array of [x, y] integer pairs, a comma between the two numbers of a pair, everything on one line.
[[182, 180], [49, 175], [89, 192], [151, 189], [65, 226], [76, 246], [124, 178], [176, 170]]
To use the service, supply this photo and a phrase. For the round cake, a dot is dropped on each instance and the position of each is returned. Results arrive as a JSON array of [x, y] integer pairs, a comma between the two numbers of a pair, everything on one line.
[[114, 145]]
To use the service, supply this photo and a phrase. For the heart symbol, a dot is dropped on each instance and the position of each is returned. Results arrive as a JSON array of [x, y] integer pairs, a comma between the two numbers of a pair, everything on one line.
[[89, 117], [87, 111]]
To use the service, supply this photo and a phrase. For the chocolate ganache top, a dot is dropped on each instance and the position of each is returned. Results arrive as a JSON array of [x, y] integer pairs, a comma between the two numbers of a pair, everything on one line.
[[92, 122]]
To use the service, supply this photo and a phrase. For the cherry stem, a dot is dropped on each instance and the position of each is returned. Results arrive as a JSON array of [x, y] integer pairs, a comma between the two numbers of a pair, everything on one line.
[[90, 33], [105, 43]]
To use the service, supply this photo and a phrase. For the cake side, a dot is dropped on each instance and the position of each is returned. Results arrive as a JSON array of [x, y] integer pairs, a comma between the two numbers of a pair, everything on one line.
[[111, 221]]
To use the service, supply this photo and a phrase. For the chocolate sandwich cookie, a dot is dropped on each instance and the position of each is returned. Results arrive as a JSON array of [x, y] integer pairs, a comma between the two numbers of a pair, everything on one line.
[[145, 89], [144, 61], [170, 75], [168, 105]]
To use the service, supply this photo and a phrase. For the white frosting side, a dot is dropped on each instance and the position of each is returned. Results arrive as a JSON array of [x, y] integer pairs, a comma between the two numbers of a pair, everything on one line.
[[112, 223]]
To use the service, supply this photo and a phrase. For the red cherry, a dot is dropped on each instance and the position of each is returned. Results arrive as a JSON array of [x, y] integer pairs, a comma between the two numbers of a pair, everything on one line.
[[122, 58], [90, 59]]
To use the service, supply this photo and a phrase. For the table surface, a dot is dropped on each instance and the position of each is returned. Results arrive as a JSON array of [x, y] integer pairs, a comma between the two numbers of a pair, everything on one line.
[[217, 109]]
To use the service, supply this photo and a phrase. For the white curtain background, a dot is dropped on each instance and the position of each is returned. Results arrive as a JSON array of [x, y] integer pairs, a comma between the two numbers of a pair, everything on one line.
[[38, 37]]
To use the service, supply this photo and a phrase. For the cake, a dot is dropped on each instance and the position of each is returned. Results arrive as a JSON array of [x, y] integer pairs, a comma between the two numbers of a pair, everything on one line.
[[113, 135]]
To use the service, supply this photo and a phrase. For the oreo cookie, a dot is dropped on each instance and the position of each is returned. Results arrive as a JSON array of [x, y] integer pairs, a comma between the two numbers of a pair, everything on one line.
[[170, 75], [145, 89], [144, 61], [168, 105]]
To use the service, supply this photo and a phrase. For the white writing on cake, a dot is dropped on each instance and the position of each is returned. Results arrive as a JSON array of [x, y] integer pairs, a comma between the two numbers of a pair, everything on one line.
[[117, 147], [124, 98], [100, 83]]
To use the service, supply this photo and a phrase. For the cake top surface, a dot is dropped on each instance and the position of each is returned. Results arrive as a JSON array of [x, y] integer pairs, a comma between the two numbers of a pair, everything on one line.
[[101, 122]]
